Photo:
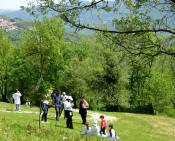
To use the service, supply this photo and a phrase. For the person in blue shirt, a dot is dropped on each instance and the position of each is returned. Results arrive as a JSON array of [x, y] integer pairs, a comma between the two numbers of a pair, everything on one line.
[[57, 101]]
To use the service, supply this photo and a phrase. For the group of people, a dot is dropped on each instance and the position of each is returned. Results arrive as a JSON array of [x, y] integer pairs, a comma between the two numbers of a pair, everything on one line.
[[100, 131], [64, 102], [60, 103]]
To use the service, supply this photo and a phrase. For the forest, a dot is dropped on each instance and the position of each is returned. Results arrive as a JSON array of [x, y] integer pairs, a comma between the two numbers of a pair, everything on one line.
[[128, 68]]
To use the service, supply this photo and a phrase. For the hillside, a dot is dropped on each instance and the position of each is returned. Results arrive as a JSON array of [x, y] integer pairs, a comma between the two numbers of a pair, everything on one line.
[[14, 27], [16, 14], [130, 127], [8, 25]]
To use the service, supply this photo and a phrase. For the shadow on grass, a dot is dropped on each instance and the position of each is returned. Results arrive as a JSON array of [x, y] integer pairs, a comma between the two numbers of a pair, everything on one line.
[[10, 109], [57, 125], [77, 123], [51, 119]]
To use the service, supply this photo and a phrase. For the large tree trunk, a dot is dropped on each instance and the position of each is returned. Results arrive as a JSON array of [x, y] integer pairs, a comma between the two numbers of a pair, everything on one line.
[[3, 93]]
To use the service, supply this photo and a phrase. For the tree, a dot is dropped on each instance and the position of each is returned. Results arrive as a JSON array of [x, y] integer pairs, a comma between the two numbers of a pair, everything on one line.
[[22, 76], [70, 12], [41, 47], [5, 56], [137, 17], [160, 90], [96, 70]]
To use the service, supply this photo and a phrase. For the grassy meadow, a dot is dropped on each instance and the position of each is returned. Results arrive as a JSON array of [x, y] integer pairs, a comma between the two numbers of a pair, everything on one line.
[[23, 126]]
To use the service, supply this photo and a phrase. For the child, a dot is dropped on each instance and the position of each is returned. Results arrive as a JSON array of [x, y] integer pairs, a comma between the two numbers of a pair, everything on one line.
[[27, 103], [95, 129], [103, 125], [87, 128], [112, 133]]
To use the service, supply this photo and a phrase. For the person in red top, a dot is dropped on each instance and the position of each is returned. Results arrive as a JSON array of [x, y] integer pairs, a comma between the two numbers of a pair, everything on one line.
[[103, 125]]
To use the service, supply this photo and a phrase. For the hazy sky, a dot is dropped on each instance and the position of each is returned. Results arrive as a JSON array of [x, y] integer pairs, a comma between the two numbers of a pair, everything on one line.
[[12, 4]]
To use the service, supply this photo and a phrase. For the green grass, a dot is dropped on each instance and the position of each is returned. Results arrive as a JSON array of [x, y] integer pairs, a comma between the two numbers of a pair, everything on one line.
[[23, 126]]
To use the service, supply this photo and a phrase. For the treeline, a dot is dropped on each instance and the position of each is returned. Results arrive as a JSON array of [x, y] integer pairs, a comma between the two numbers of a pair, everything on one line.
[[105, 68]]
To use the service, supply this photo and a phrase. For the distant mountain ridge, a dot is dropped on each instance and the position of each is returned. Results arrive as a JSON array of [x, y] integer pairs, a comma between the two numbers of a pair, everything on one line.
[[89, 17], [21, 14]]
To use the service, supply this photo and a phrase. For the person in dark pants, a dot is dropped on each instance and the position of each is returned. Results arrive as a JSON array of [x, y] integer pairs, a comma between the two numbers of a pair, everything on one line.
[[45, 107], [103, 125], [56, 101], [83, 105], [68, 111], [63, 97]]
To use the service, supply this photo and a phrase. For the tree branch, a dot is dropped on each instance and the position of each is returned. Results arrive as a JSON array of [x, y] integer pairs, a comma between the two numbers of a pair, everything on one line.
[[114, 31], [75, 8]]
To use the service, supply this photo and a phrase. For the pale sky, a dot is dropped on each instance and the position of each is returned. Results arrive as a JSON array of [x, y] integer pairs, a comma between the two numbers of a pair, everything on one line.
[[15, 4], [12, 4]]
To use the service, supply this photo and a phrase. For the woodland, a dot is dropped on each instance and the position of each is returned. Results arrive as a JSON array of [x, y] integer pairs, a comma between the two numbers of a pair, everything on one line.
[[125, 65]]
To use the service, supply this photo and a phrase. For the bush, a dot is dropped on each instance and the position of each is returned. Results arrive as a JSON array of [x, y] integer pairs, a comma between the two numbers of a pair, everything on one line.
[[169, 111]]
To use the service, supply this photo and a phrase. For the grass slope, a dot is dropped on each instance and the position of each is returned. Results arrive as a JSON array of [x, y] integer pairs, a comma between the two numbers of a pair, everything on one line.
[[23, 126]]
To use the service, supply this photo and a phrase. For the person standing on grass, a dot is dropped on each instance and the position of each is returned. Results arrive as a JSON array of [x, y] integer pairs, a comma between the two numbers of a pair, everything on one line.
[[45, 106], [68, 111], [63, 97], [56, 101], [103, 125], [16, 96], [83, 105]]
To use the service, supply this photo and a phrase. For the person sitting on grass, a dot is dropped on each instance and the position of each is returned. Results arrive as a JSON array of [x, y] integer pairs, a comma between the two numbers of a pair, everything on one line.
[[103, 125], [87, 129], [112, 133], [95, 129]]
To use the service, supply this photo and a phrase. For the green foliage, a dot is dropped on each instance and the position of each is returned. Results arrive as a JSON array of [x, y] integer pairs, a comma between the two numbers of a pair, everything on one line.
[[21, 25], [115, 72], [159, 91], [5, 57], [37, 95], [41, 48]]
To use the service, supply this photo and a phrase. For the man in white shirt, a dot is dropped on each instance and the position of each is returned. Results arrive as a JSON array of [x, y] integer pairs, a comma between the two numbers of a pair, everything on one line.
[[16, 96], [68, 111]]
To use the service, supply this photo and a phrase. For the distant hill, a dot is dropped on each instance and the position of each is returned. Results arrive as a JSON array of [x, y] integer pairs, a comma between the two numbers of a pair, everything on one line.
[[87, 16], [21, 14], [14, 27], [90, 17], [23, 19]]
